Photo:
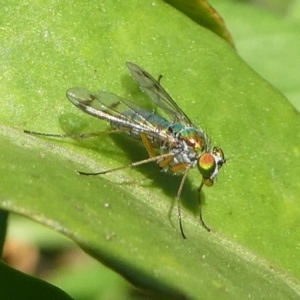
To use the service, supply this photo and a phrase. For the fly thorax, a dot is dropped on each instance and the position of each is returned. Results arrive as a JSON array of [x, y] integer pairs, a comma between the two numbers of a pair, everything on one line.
[[194, 139]]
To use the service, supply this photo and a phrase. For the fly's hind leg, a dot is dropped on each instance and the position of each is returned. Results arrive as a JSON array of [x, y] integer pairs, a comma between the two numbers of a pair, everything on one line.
[[148, 145], [72, 135]]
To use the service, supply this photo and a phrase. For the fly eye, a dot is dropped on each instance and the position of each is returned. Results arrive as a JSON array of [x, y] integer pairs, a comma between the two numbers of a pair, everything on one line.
[[218, 152], [207, 166]]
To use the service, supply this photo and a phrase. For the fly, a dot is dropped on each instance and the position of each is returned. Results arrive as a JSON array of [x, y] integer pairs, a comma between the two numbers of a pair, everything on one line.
[[174, 143]]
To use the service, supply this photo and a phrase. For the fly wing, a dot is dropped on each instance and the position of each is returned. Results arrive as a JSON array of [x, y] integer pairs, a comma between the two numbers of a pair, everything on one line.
[[157, 94], [112, 108]]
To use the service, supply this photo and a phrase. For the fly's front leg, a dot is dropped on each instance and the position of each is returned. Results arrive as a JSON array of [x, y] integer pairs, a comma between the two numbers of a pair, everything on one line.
[[200, 214], [178, 200]]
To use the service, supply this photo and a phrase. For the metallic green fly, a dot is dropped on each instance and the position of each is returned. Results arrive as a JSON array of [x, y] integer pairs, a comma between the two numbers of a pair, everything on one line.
[[175, 144]]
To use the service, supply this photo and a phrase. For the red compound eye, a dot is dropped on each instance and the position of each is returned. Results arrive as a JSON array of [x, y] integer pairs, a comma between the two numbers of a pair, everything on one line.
[[206, 165]]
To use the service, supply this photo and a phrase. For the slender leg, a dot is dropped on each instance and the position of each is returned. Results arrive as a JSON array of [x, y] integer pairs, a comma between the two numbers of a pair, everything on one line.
[[200, 215], [134, 164], [76, 135], [179, 201]]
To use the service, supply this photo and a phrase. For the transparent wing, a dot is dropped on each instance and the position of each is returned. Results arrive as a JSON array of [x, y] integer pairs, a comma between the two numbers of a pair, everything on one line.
[[123, 113], [157, 94]]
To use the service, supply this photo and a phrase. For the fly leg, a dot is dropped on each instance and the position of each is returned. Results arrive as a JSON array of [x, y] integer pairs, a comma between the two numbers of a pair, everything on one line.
[[200, 214], [75, 135], [178, 200], [147, 143], [133, 164]]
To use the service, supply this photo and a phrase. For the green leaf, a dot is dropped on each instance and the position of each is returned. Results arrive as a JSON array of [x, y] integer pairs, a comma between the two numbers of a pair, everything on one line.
[[204, 14], [15, 285], [121, 219], [3, 227]]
